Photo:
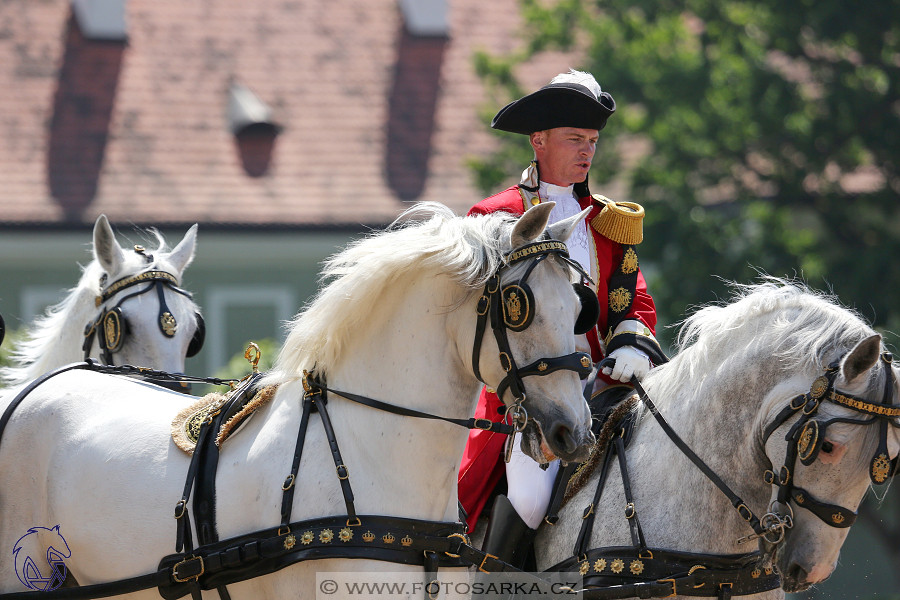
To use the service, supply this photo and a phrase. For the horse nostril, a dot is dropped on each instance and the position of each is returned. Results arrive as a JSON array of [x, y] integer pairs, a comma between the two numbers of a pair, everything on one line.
[[564, 440], [796, 573]]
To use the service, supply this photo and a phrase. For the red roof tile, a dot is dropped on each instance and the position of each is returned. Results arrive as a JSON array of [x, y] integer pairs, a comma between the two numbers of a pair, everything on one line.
[[326, 69]]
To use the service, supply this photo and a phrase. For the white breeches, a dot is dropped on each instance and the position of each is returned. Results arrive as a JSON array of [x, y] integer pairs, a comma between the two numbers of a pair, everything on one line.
[[529, 486]]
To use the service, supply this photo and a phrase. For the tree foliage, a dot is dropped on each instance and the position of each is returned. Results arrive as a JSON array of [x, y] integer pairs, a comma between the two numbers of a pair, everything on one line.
[[774, 132]]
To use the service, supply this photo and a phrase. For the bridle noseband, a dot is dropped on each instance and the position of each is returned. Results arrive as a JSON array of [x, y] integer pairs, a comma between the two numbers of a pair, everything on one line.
[[805, 438], [512, 307], [110, 325]]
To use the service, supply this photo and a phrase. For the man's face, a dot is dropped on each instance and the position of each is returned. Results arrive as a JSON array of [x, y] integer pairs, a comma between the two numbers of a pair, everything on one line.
[[564, 153]]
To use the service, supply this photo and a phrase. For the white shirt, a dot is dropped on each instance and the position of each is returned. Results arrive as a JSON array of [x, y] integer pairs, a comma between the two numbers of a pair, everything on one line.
[[567, 206]]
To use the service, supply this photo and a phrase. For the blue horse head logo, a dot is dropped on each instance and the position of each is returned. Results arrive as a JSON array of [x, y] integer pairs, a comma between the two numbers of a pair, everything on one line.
[[28, 572]]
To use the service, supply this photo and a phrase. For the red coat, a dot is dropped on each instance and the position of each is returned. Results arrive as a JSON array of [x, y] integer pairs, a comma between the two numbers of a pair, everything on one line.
[[482, 466]]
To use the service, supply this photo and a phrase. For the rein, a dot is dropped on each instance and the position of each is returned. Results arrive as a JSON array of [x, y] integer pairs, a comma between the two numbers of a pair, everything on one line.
[[717, 575]]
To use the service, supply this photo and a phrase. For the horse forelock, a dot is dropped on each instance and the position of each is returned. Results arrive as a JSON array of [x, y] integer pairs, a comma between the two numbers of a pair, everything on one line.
[[427, 239]]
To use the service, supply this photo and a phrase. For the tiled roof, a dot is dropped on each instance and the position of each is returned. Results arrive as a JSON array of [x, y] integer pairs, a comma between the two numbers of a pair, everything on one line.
[[161, 151]]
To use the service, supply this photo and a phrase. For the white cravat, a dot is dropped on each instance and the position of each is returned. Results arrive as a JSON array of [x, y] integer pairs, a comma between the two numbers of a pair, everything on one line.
[[567, 206]]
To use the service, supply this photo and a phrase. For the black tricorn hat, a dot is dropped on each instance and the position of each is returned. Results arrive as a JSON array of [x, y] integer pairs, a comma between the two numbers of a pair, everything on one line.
[[556, 105]]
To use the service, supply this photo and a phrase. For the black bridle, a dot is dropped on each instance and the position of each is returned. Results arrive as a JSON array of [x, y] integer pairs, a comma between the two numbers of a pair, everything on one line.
[[806, 436], [512, 307], [110, 325]]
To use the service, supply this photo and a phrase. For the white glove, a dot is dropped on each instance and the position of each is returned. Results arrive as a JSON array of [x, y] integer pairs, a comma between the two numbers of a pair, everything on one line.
[[629, 361]]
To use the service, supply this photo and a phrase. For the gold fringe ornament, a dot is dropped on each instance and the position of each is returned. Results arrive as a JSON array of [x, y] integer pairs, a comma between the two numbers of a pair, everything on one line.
[[619, 221]]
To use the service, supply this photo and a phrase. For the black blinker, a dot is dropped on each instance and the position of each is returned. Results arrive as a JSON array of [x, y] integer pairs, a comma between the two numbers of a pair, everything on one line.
[[590, 309]]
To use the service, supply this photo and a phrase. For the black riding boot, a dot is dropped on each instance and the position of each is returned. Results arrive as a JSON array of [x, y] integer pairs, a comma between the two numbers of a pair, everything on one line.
[[508, 537]]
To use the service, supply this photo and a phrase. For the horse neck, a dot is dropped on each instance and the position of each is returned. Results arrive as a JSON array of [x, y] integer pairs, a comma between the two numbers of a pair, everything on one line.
[[56, 338], [408, 356], [718, 418]]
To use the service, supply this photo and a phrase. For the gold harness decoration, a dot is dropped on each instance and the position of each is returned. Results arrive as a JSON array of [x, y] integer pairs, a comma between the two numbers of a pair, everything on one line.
[[168, 324], [881, 468], [619, 299], [513, 307], [186, 424]]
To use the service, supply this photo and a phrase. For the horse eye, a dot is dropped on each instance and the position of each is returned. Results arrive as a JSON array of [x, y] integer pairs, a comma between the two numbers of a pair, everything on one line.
[[827, 447]]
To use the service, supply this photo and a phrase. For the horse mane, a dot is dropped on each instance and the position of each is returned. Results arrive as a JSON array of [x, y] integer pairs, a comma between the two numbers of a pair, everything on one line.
[[790, 321], [779, 322], [35, 352], [425, 239]]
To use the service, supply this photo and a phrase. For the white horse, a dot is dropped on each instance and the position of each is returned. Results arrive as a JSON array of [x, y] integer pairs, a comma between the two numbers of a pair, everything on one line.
[[738, 366], [57, 338], [397, 324]]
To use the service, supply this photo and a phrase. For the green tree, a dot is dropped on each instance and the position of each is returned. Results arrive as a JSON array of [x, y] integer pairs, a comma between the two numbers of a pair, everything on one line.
[[774, 132]]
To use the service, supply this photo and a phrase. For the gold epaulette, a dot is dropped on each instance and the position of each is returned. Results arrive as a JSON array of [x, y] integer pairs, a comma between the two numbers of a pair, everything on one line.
[[619, 221]]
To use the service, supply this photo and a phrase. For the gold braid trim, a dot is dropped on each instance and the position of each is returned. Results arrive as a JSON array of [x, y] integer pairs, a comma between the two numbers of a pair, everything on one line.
[[261, 398], [186, 424], [610, 428], [619, 221]]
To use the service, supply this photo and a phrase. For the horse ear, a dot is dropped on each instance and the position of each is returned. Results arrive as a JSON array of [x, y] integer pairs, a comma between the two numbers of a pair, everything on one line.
[[106, 249], [862, 358], [183, 253], [562, 230], [531, 224]]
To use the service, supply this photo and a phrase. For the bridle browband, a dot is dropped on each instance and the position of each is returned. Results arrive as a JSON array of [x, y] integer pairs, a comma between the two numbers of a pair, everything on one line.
[[512, 307], [806, 436]]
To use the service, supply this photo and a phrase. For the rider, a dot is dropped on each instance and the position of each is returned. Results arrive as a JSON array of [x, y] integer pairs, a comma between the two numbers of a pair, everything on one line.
[[562, 120]]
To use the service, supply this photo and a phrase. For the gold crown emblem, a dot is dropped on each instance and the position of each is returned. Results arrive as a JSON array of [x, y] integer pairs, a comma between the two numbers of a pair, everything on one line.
[[306, 538], [585, 362], [800, 499], [345, 534], [755, 573], [326, 536], [368, 536], [837, 518], [406, 541], [542, 366], [768, 570], [388, 538]]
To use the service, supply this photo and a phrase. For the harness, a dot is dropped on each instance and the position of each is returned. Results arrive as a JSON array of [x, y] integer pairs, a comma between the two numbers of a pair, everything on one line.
[[111, 323], [512, 307], [806, 436], [215, 563], [646, 572]]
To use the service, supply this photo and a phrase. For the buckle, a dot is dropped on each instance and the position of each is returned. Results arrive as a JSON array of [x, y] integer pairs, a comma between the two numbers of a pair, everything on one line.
[[189, 577], [486, 556], [674, 588], [483, 424]]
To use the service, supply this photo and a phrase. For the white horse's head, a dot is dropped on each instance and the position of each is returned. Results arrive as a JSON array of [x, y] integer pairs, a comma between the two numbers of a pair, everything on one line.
[[131, 306], [840, 452], [542, 289], [160, 324]]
